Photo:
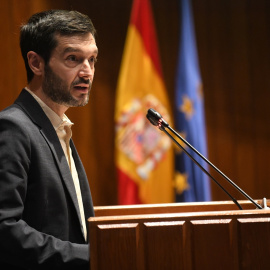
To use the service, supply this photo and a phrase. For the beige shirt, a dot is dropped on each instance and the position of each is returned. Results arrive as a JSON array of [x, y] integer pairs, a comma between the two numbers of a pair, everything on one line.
[[62, 127]]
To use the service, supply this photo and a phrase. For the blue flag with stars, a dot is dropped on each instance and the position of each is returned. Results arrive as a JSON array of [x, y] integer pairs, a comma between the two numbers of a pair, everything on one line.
[[191, 183]]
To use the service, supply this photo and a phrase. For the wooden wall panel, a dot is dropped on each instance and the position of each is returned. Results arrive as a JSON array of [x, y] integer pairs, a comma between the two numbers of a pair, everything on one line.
[[233, 37], [233, 40]]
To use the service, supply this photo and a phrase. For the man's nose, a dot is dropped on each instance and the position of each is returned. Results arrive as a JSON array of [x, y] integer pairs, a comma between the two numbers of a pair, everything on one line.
[[86, 70]]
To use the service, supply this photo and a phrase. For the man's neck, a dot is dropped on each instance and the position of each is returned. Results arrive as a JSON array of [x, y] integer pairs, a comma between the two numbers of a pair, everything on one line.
[[57, 108]]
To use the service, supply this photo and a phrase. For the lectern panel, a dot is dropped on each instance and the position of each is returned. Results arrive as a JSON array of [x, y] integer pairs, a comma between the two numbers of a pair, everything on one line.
[[254, 241], [117, 246], [164, 245], [212, 244]]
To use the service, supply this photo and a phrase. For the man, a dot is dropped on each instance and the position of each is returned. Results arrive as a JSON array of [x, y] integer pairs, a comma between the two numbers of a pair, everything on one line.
[[45, 199]]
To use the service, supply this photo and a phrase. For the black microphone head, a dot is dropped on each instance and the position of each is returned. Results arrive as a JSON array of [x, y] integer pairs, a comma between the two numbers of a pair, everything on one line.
[[153, 116], [156, 119], [152, 121]]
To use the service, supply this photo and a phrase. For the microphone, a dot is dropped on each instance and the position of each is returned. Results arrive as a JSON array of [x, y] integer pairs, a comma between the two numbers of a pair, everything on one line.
[[156, 119]]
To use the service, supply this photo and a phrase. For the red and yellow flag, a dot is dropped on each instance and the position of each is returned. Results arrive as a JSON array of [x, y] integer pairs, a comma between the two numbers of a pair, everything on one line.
[[144, 156]]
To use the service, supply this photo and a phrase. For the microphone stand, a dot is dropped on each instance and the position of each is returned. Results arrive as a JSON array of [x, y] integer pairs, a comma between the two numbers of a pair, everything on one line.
[[156, 119]]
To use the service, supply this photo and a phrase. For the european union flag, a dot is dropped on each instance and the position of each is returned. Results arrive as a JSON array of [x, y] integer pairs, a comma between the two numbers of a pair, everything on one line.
[[191, 183]]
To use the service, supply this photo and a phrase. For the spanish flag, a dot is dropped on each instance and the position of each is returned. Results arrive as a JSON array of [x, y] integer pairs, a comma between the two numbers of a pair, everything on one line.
[[144, 155]]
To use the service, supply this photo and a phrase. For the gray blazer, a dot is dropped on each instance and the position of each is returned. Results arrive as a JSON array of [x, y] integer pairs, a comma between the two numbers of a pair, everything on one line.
[[39, 213]]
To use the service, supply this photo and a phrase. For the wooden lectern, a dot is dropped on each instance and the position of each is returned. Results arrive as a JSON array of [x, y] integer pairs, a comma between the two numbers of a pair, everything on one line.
[[213, 235]]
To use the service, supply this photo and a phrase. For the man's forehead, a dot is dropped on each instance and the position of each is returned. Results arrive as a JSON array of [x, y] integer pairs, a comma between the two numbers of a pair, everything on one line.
[[88, 37], [67, 43]]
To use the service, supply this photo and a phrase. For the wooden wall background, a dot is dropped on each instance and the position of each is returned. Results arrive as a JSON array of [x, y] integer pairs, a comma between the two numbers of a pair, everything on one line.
[[233, 38]]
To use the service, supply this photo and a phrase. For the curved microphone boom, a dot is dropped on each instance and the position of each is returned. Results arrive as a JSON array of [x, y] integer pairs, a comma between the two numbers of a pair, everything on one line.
[[156, 119]]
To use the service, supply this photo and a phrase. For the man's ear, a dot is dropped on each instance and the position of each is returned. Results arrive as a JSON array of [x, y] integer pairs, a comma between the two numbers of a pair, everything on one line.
[[36, 63]]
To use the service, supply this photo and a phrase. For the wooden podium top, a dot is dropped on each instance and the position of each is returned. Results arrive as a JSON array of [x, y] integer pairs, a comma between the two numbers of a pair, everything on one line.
[[172, 208]]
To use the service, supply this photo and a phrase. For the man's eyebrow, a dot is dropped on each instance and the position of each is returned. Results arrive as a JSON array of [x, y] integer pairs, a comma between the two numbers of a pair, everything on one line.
[[73, 49]]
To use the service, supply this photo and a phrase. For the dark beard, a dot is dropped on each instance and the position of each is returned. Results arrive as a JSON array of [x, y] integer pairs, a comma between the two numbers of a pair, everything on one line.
[[58, 91]]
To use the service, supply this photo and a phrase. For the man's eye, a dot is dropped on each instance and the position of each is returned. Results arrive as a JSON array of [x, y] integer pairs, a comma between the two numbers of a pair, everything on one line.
[[93, 60], [72, 58]]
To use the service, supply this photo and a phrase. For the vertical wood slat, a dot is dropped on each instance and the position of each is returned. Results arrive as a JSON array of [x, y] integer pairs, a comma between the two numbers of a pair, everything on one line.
[[254, 240], [212, 244], [117, 246], [164, 245]]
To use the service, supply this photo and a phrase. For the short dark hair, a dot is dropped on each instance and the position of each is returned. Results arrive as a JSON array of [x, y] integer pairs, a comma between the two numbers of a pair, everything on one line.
[[38, 34]]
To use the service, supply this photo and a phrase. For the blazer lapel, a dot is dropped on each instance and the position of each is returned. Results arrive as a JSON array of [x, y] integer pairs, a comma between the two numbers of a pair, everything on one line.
[[37, 115], [84, 185]]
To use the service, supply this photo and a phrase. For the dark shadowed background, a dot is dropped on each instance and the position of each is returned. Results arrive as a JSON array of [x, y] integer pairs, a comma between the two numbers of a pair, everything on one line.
[[233, 40]]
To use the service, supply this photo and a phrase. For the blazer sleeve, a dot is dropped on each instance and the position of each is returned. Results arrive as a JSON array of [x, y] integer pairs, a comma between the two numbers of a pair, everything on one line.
[[31, 248]]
